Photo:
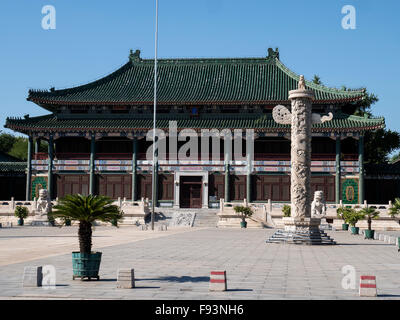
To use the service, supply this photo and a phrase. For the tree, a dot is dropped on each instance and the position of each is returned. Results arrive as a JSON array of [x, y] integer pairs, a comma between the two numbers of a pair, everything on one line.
[[6, 142], [317, 80], [17, 146], [20, 148], [86, 210], [395, 209], [395, 158], [369, 213], [379, 144]]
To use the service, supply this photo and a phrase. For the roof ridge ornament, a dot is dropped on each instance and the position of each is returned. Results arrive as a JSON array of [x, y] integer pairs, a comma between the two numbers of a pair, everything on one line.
[[134, 56], [273, 54]]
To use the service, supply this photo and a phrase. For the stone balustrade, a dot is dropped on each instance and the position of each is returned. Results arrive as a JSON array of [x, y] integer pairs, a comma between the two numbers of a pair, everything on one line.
[[270, 214], [135, 212]]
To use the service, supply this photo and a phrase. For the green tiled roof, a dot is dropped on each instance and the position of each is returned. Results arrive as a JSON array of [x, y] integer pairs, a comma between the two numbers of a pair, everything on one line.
[[192, 81], [12, 167], [118, 123]]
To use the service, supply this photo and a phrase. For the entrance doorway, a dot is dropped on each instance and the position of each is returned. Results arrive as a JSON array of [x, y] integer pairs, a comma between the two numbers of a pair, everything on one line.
[[190, 194]]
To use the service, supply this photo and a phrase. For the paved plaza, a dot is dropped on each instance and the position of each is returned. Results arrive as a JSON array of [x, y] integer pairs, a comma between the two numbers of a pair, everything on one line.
[[176, 264]]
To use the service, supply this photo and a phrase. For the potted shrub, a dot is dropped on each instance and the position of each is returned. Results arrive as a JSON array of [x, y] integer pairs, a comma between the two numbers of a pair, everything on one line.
[[352, 217], [86, 210], [395, 209], [369, 213], [114, 222], [245, 212], [286, 210], [21, 213], [341, 215]]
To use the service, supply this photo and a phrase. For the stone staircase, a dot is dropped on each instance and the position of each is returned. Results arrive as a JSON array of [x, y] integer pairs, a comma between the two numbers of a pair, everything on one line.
[[312, 237], [204, 218]]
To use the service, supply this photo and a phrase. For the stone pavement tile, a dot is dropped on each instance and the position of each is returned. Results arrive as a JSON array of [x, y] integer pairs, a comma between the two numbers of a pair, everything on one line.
[[177, 266]]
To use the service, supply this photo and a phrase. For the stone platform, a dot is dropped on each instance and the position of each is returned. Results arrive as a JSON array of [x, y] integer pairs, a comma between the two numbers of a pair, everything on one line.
[[301, 231], [311, 237]]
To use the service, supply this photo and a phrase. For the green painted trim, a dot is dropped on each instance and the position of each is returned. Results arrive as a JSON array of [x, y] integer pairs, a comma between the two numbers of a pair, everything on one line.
[[350, 191], [36, 182]]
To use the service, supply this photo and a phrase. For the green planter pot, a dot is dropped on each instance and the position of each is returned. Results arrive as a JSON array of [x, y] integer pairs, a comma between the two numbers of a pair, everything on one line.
[[369, 234], [20, 222], [243, 224], [85, 265], [354, 230], [345, 226], [68, 223]]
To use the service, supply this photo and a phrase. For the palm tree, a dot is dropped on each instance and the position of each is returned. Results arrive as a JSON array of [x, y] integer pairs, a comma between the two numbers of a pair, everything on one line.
[[395, 209], [369, 213], [86, 210]]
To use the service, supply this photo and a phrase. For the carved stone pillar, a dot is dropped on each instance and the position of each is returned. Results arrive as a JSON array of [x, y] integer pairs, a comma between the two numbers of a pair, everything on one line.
[[300, 227], [301, 153]]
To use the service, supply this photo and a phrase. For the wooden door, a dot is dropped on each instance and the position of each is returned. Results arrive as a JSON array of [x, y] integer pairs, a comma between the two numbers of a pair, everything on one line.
[[190, 193], [115, 186], [72, 184]]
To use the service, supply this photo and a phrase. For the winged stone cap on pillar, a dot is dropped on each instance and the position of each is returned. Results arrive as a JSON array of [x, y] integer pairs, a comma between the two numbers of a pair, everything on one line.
[[282, 115]]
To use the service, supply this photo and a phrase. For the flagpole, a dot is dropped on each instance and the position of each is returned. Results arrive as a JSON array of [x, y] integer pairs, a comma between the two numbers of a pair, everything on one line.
[[154, 125]]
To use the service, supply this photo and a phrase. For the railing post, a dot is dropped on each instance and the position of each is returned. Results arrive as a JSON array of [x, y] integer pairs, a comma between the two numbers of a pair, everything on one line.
[[390, 204], [365, 204], [119, 202], [270, 206]]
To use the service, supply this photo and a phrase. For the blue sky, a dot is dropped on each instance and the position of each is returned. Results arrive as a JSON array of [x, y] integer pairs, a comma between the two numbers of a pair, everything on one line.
[[93, 37]]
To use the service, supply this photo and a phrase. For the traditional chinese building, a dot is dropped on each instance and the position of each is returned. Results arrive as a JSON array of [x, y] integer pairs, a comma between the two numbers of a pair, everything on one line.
[[96, 134]]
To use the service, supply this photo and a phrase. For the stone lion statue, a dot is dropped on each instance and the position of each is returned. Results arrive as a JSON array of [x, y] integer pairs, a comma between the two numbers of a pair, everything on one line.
[[302, 83], [43, 206], [318, 206]]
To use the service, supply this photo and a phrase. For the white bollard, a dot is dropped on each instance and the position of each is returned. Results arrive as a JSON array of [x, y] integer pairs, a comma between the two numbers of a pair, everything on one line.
[[125, 278], [368, 286], [218, 281], [32, 276]]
